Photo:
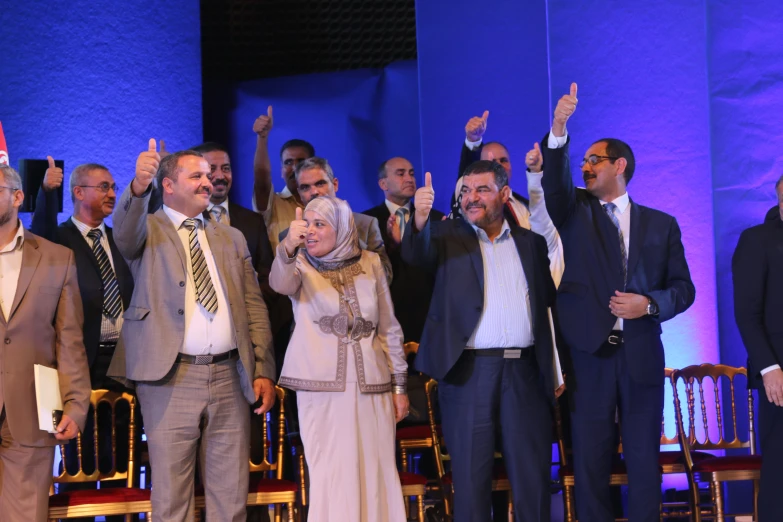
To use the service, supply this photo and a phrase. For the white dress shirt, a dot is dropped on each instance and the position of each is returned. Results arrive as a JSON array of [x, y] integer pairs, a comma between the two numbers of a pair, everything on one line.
[[205, 334], [110, 327], [226, 216], [541, 223], [506, 320], [393, 208], [10, 266], [622, 210]]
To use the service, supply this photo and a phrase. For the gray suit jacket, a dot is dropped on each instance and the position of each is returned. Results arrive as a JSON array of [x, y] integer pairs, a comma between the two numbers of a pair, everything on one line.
[[369, 239], [154, 327]]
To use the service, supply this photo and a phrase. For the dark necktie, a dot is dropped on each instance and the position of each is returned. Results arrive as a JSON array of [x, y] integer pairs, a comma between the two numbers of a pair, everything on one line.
[[609, 208], [112, 302], [204, 289]]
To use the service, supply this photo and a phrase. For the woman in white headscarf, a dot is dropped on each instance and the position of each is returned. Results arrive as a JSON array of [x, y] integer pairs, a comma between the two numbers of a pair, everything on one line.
[[345, 361]]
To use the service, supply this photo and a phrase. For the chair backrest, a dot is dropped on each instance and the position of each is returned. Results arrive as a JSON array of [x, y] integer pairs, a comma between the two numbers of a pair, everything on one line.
[[665, 440], [112, 399], [438, 443], [693, 378], [268, 464], [409, 348]]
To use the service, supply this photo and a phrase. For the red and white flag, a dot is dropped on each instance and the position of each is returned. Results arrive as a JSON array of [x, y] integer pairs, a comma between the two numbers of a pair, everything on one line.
[[3, 148]]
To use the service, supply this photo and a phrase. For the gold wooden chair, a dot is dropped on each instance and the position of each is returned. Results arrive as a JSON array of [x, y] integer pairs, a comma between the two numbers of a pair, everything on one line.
[[267, 486], [414, 486], [715, 470], [500, 480], [107, 501]]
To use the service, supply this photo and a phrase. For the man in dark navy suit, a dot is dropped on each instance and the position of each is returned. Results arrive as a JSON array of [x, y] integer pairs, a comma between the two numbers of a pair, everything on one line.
[[411, 287], [105, 285], [758, 307], [488, 342], [625, 274]]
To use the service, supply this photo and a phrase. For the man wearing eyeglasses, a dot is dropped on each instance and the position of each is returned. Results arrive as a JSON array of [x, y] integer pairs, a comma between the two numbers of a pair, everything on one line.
[[105, 285], [625, 274]]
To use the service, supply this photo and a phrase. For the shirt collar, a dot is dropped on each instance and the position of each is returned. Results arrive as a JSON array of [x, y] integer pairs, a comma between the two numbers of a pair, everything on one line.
[[224, 205], [394, 207], [285, 193], [505, 230], [177, 218], [621, 203], [85, 229], [17, 241]]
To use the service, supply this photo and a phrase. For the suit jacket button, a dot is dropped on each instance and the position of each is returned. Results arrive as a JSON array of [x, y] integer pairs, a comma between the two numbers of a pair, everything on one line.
[[7, 340], [182, 283], [180, 311]]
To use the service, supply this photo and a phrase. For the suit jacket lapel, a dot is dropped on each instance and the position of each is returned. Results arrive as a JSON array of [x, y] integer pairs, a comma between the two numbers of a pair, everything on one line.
[[217, 244], [168, 228], [30, 259], [638, 229], [80, 244], [526, 256], [470, 241]]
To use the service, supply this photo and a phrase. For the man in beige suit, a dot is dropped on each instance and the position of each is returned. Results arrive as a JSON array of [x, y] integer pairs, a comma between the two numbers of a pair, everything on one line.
[[195, 339], [40, 323]]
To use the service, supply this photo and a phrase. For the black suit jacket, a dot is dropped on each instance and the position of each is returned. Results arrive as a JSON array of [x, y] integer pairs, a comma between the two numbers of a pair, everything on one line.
[[758, 295], [656, 268], [44, 224], [450, 249], [411, 287]]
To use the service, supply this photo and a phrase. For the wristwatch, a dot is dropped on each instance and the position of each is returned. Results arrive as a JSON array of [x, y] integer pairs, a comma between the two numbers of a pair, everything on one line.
[[652, 307]]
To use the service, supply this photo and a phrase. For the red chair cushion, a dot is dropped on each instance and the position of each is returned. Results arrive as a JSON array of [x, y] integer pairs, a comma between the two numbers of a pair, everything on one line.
[[738, 463], [412, 479], [99, 496], [498, 473], [669, 458], [422, 431]]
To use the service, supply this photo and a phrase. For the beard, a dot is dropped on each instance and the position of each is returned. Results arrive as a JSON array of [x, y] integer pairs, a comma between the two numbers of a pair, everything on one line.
[[6, 216], [490, 215]]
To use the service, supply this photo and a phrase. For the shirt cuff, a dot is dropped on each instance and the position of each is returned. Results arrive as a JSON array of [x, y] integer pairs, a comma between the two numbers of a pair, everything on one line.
[[472, 145], [769, 369], [534, 179], [557, 143]]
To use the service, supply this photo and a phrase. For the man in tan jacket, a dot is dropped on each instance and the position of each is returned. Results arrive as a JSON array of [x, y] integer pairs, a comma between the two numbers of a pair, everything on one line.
[[40, 323]]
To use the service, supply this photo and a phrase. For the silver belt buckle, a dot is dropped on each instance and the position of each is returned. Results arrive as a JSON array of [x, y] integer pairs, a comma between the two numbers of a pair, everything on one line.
[[204, 359], [614, 339], [512, 354]]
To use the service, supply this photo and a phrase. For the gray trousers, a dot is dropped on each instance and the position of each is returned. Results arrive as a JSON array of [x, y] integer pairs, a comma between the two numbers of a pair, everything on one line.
[[197, 409], [25, 477]]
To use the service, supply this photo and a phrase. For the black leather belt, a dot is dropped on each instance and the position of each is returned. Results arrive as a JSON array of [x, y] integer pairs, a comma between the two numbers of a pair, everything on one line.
[[206, 359], [616, 337], [507, 353]]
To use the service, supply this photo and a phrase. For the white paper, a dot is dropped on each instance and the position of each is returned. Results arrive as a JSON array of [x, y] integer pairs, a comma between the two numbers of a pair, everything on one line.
[[47, 396], [555, 356]]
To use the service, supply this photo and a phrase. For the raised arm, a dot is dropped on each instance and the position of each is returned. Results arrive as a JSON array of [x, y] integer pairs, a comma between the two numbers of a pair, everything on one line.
[[44, 222], [130, 214], [284, 278], [417, 245], [262, 167], [559, 190]]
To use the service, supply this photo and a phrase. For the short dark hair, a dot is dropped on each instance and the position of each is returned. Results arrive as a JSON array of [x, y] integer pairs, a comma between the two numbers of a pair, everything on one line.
[[78, 174], [169, 166], [314, 163], [485, 166], [382, 170], [298, 143], [210, 146], [619, 149]]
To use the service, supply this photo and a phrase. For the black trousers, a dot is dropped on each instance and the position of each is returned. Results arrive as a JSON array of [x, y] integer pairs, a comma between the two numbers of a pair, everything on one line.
[[771, 438], [601, 386], [480, 397]]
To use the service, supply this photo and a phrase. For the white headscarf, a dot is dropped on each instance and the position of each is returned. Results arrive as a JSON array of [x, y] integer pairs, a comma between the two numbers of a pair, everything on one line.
[[338, 214]]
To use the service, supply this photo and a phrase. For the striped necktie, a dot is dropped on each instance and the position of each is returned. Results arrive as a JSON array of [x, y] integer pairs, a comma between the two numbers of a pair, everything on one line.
[[609, 208], [401, 213], [112, 302], [204, 289], [219, 213]]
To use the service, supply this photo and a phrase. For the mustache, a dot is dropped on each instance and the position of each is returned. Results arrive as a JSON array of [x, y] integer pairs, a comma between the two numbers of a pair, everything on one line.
[[204, 190], [475, 205], [220, 182]]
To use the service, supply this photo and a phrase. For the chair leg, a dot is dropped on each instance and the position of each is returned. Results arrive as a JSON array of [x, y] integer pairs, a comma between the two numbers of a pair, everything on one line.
[[290, 507], [719, 502], [404, 458], [148, 516], [407, 502], [568, 501], [756, 500], [278, 513], [420, 505], [510, 507], [447, 497], [197, 515]]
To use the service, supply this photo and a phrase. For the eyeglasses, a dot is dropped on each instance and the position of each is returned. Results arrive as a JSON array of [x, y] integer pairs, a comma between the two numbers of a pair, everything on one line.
[[594, 159], [12, 189], [103, 187]]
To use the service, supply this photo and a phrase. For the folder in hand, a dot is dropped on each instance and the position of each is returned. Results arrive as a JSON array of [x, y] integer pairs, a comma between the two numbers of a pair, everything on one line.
[[47, 397]]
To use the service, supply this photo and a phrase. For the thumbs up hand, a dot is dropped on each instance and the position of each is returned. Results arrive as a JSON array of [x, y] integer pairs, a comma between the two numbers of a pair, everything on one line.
[[296, 233], [263, 124], [476, 127], [534, 159], [146, 167], [423, 201], [163, 152], [54, 176], [565, 108]]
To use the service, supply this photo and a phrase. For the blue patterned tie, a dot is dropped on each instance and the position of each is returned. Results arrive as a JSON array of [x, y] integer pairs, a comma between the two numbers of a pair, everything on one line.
[[112, 302], [609, 208]]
